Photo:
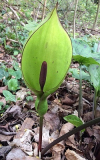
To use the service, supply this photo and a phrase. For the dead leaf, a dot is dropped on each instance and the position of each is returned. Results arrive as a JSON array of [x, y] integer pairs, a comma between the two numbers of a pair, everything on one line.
[[30, 158], [14, 111], [87, 96], [23, 136], [67, 101], [65, 129], [52, 121], [3, 88], [5, 138], [71, 155], [27, 124], [89, 131], [57, 101], [57, 150], [4, 150], [18, 154], [96, 130], [35, 147], [3, 100], [88, 116], [21, 94], [46, 137], [97, 112], [97, 151], [15, 154], [24, 142]]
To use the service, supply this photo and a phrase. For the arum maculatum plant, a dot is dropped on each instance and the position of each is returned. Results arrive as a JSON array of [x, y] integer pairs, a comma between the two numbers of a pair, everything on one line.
[[45, 61]]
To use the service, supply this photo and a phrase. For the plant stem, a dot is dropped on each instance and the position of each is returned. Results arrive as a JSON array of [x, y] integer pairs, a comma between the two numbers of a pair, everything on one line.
[[74, 131], [80, 109], [94, 103], [40, 136]]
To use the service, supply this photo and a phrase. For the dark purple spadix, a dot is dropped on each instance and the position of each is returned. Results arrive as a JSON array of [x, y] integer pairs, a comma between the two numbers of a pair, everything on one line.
[[43, 74]]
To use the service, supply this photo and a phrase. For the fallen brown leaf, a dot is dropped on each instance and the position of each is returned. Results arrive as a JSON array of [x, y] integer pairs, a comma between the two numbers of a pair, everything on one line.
[[27, 124], [52, 121], [67, 101], [18, 154], [58, 149], [71, 155], [88, 116], [24, 142], [3, 88]]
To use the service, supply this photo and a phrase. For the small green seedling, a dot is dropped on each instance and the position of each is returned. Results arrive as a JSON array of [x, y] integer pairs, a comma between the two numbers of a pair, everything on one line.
[[76, 121], [9, 96], [13, 84], [45, 61], [94, 71], [29, 98], [82, 53]]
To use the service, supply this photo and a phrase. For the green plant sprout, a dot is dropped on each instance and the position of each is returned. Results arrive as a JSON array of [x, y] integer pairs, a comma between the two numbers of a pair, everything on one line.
[[94, 71], [45, 61], [76, 121], [83, 54]]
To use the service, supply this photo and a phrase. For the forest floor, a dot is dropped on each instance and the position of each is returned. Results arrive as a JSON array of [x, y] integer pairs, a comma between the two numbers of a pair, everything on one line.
[[19, 124]]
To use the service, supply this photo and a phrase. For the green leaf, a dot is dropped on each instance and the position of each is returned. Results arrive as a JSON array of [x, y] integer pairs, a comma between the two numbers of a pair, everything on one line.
[[29, 98], [15, 65], [75, 74], [46, 58], [47, 43], [76, 121], [94, 71], [30, 26], [82, 53], [85, 60], [80, 47], [13, 84], [17, 74], [1, 104], [9, 96], [3, 73], [16, 53]]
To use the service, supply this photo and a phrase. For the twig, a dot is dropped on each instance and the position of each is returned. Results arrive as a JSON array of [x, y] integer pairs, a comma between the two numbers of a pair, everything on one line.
[[44, 6], [7, 133], [37, 13], [21, 14], [12, 40], [14, 12], [76, 3]]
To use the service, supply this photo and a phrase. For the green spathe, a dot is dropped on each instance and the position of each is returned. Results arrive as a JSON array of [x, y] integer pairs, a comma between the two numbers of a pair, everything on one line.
[[51, 44]]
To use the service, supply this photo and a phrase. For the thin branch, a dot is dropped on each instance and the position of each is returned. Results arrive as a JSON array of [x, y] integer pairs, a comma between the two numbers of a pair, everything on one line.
[[14, 12], [44, 7], [76, 3]]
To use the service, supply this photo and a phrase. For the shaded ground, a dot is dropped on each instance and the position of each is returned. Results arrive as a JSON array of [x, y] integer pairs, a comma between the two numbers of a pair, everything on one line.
[[19, 124]]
